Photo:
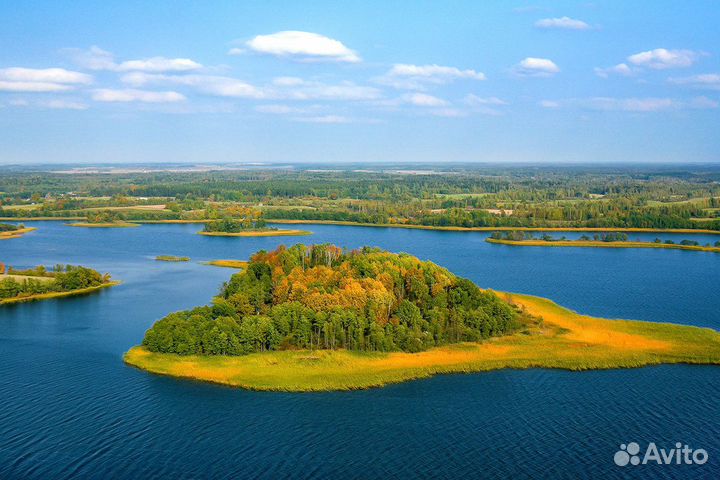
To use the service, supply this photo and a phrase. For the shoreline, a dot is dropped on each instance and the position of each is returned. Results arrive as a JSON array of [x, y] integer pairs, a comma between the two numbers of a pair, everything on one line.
[[599, 244], [51, 295], [404, 225], [237, 264], [565, 340], [257, 233]]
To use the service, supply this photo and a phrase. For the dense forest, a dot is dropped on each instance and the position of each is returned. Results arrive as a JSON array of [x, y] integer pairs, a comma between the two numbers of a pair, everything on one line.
[[458, 196], [62, 278], [324, 297]]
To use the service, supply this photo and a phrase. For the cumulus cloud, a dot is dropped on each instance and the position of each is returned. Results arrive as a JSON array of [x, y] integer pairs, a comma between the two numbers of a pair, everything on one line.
[[95, 58], [423, 100], [302, 46], [324, 119], [474, 100], [18, 79], [549, 104], [416, 77], [710, 81], [565, 23], [536, 67], [133, 95], [620, 69], [661, 58], [55, 104]]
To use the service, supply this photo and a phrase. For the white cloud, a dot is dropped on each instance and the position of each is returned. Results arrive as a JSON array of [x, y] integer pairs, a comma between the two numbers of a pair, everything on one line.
[[17, 79], [96, 58], [661, 58], [416, 77], [287, 81], [423, 100], [132, 95], [53, 104], [276, 109], [710, 81], [159, 64], [549, 104], [448, 113], [209, 84], [236, 51], [474, 100], [536, 67], [566, 23], [619, 69], [302, 46], [324, 119]]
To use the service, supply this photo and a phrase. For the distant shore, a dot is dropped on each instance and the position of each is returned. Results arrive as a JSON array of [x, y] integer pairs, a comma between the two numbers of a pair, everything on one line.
[[565, 340], [600, 244], [257, 233], [51, 295]]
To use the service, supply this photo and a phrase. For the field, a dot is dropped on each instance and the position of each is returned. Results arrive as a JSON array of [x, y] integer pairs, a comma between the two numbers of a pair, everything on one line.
[[563, 339]]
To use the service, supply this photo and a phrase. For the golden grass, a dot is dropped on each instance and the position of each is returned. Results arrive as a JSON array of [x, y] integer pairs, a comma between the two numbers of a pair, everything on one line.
[[103, 225], [51, 295], [493, 229], [16, 233], [228, 263], [171, 258], [583, 243], [22, 278], [257, 233], [564, 339]]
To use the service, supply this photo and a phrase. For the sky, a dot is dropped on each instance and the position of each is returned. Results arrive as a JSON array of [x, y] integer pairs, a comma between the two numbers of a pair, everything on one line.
[[366, 81]]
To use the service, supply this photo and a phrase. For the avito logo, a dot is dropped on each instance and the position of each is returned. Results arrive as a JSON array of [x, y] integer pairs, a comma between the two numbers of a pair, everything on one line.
[[680, 455]]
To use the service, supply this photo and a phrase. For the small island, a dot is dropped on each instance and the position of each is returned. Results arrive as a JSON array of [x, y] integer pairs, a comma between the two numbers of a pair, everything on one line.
[[246, 223], [171, 258], [598, 240], [238, 264], [8, 231], [104, 219], [39, 283], [321, 318]]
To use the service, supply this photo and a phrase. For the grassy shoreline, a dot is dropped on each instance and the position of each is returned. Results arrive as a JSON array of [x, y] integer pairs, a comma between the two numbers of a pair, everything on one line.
[[565, 340], [599, 244], [257, 233], [16, 233], [51, 295], [171, 258], [103, 225], [240, 264]]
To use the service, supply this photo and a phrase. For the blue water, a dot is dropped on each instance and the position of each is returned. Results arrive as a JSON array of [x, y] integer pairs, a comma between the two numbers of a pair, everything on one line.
[[69, 407]]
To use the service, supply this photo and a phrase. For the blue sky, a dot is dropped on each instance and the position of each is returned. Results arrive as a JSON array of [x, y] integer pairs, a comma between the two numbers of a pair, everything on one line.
[[334, 82]]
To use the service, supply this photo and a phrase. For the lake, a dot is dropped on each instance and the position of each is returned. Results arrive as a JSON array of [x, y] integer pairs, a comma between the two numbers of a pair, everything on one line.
[[71, 409]]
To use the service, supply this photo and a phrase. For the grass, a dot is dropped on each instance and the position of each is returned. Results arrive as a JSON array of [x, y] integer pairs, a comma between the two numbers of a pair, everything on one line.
[[257, 233], [493, 229], [171, 258], [16, 233], [228, 263], [598, 244], [51, 295], [22, 278], [564, 340], [103, 225]]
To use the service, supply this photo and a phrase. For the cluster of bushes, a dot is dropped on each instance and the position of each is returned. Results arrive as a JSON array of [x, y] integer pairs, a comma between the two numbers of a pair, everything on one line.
[[64, 279], [8, 227], [322, 297]]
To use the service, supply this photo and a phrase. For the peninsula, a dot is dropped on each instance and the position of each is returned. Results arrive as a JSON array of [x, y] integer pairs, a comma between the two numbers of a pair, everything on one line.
[[41, 284], [320, 318], [8, 231]]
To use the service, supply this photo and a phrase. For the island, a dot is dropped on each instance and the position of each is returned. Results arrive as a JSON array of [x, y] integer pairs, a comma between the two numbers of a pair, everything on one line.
[[321, 318], [250, 224], [598, 240], [104, 219], [8, 231], [171, 258], [39, 283], [238, 264]]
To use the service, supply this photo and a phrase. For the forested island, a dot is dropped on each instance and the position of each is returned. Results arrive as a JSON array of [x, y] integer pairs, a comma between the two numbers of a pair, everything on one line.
[[600, 240], [322, 318], [8, 231], [39, 283], [245, 223], [171, 258]]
